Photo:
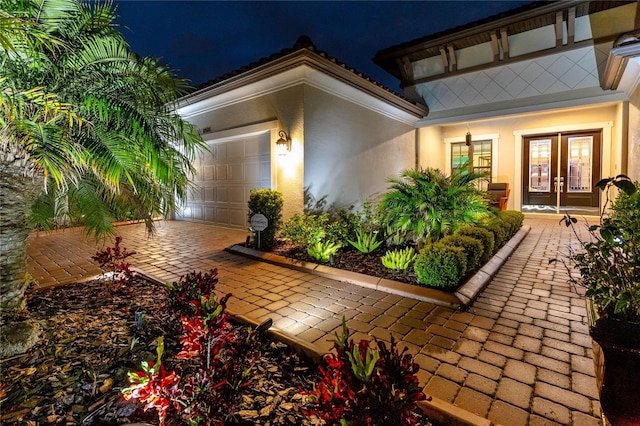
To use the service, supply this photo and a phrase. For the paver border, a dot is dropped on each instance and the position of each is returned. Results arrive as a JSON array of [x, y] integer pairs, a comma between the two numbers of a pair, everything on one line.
[[460, 299]]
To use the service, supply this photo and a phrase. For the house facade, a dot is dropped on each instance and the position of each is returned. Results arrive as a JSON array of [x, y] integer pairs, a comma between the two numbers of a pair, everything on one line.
[[548, 93], [544, 98], [347, 135]]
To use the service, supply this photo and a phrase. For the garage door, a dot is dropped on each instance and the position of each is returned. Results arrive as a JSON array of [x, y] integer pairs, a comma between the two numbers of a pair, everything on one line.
[[225, 175]]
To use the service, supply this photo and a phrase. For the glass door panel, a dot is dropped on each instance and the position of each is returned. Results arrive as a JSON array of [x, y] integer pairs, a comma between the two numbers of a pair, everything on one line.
[[540, 165], [579, 163]]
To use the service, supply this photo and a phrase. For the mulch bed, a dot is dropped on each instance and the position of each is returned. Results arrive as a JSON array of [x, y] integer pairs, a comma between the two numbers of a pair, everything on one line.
[[76, 372], [350, 259]]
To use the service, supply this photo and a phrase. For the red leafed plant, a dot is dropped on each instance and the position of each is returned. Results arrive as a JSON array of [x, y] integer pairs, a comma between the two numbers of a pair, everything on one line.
[[225, 358], [113, 258], [153, 386], [362, 385], [221, 357], [184, 295]]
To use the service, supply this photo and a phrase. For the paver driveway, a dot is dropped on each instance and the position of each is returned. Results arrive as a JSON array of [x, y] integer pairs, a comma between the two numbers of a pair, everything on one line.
[[520, 355]]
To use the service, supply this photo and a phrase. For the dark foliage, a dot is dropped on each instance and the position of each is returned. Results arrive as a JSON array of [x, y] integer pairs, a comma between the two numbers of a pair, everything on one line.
[[184, 295], [362, 385], [113, 258]]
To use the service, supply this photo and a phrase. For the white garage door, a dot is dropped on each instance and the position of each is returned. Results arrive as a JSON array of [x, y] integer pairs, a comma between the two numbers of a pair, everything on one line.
[[225, 175]]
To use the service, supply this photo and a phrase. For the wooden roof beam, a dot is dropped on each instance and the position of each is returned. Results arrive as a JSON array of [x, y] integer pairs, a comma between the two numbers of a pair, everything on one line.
[[571, 25], [494, 47], [406, 70], [559, 26], [504, 40], [445, 60], [452, 57]]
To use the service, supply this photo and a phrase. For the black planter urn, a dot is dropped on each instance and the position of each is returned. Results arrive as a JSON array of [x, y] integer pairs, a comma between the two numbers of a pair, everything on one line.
[[616, 359]]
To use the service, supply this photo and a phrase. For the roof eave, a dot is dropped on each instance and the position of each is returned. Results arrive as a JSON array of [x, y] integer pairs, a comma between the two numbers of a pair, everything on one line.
[[313, 60], [386, 58]]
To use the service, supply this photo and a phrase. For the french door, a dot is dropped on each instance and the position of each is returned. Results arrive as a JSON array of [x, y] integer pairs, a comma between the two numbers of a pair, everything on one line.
[[560, 171]]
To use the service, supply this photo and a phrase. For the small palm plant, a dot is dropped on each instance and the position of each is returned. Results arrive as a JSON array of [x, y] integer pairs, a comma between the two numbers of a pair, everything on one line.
[[424, 205]]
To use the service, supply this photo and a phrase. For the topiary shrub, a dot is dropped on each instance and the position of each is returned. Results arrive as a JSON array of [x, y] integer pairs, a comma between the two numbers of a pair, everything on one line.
[[269, 203], [513, 221], [439, 265], [484, 236], [472, 248], [497, 228]]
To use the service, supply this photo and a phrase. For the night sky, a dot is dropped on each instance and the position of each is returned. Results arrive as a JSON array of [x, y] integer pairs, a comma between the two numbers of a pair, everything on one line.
[[201, 40]]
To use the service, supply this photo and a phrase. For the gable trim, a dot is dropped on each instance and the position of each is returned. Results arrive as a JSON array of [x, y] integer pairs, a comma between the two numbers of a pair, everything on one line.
[[303, 59]]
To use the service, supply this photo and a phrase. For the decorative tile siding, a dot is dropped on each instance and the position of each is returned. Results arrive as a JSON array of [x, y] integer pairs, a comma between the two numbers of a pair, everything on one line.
[[570, 70]]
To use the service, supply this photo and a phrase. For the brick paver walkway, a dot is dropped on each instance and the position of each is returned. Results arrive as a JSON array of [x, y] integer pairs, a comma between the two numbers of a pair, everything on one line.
[[519, 356]]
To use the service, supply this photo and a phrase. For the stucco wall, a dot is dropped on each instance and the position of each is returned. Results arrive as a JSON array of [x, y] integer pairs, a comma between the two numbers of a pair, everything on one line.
[[633, 161], [351, 151], [508, 168], [253, 111]]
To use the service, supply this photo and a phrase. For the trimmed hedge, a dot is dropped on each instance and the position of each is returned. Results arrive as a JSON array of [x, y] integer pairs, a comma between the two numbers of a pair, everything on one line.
[[439, 265], [481, 234], [472, 248], [512, 220], [496, 226]]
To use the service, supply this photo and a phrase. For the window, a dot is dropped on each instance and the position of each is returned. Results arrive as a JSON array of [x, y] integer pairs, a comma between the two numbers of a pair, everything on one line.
[[478, 155]]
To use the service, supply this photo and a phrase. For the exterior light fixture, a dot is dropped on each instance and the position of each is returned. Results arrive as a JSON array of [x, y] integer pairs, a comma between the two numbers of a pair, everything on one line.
[[467, 138], [283, 145]]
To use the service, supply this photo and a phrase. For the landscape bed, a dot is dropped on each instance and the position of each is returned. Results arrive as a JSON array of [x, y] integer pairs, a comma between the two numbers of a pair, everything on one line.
[[95, 334]]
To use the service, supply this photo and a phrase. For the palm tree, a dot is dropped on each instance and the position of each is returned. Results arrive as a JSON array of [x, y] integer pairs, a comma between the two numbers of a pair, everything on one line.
[[85, 126], [424, 205]]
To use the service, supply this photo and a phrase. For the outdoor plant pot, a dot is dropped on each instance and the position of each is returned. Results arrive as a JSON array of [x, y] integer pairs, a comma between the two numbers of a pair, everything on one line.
[[616, 359]]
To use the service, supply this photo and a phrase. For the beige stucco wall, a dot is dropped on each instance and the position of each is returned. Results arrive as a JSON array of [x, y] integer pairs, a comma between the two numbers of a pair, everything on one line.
[[509, 152], [284, 106], [633, 159], [351, 151], [339, 148]]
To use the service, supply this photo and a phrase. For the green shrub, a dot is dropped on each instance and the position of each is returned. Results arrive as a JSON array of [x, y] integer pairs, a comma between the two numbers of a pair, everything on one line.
[[343, 225], [472, 248], [497, 228], [424, 205], [481, 234], [322, 250], [268, 202], [305, 230], [439, 265], [366, 242], [513, 221], [399, 259], [625, 210]]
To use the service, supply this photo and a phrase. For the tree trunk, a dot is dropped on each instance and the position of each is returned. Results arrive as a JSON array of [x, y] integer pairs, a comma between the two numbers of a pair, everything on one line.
[[18, 191]]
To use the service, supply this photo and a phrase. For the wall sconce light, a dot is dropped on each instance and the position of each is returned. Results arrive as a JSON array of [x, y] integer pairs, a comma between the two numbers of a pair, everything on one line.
[[283, 145], [467, 138]]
